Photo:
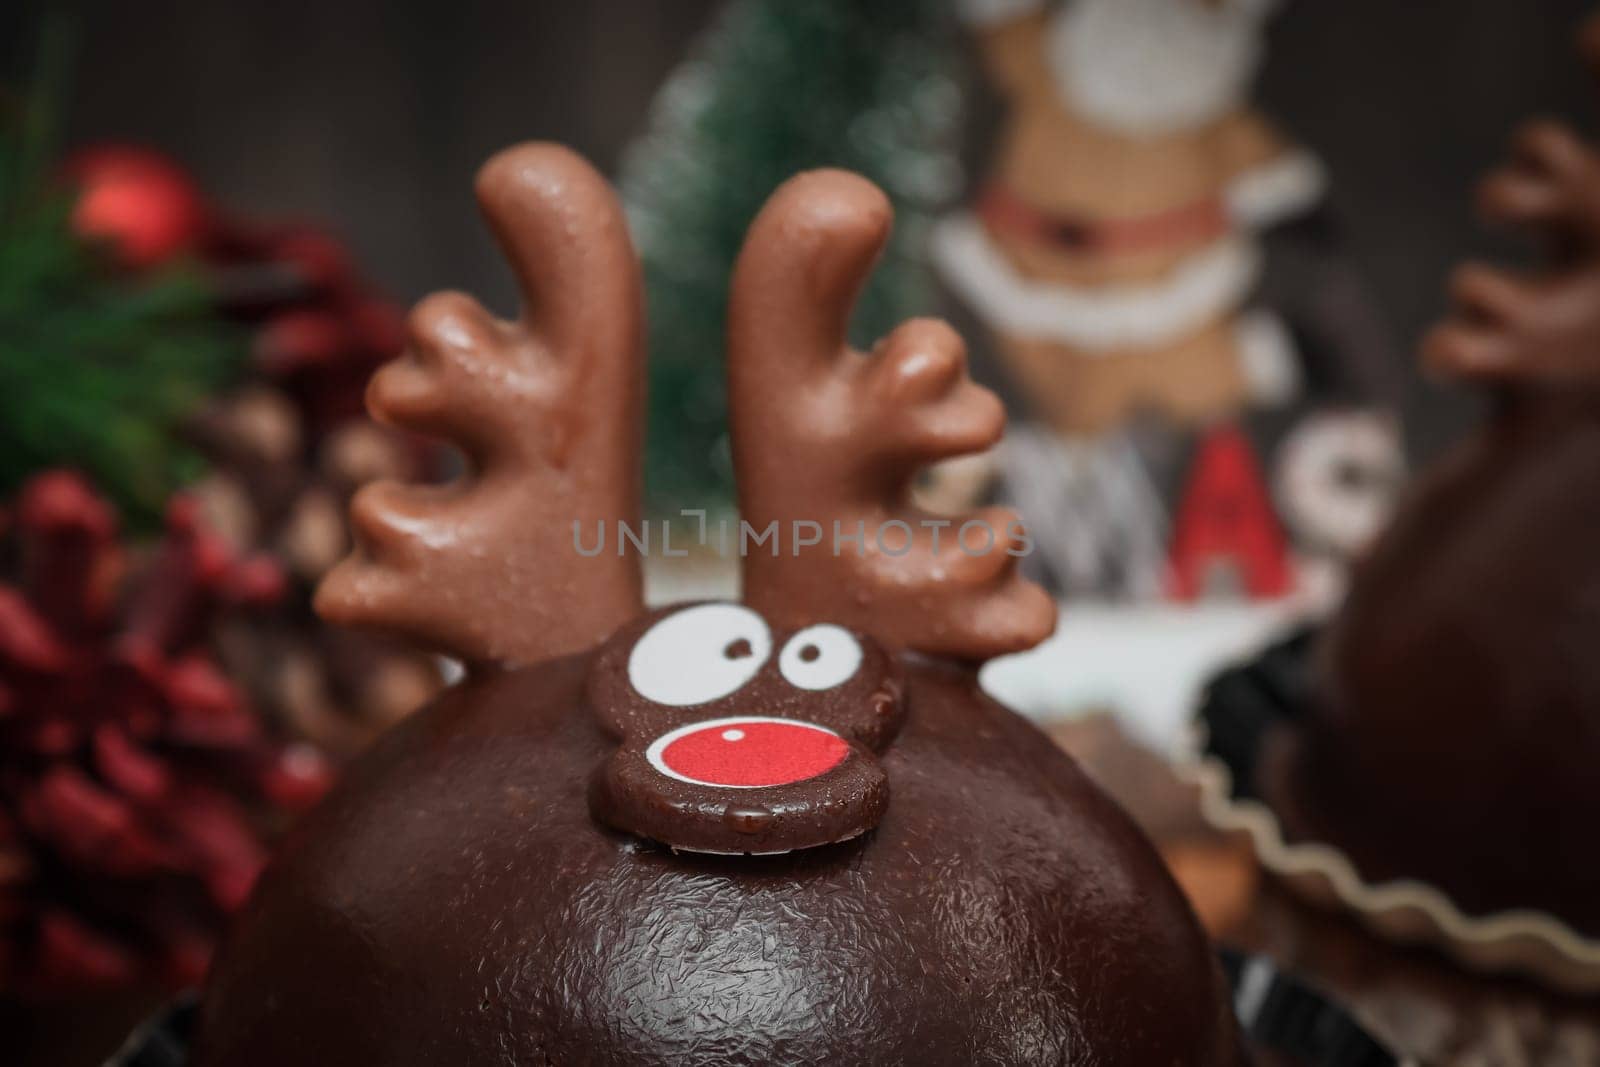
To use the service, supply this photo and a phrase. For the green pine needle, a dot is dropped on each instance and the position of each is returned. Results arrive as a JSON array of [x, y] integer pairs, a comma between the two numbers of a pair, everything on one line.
[[98, 370]]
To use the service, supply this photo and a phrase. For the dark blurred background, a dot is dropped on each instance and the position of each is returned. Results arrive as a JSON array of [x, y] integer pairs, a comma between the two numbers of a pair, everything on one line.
[[370, 115]]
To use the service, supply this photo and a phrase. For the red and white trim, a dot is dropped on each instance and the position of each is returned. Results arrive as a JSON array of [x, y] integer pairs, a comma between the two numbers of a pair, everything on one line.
[[1093, 319]]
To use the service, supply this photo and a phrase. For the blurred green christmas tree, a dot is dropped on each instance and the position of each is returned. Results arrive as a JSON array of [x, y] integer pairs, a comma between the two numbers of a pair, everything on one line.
[[777, 87]]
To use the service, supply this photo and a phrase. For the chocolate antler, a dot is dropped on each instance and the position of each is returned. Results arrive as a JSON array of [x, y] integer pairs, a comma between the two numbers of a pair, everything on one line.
[[1543, 326], [548, 411], [826, 435]]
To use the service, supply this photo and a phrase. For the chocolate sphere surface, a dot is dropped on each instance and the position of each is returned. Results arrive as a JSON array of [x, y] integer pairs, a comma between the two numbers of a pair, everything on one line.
[[456, 901], [1457, 729], [1456, 732]]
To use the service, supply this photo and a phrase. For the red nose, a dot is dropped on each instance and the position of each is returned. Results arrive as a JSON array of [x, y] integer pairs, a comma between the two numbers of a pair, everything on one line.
[[749, 752]]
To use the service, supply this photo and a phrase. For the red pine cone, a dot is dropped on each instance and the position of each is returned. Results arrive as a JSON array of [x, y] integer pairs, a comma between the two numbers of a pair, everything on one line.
[[286, 453], [136, 784]]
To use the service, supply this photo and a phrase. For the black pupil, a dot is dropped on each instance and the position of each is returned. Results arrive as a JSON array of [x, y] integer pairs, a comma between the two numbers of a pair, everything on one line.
[[809, 654], [738, 649], [1351, 476]]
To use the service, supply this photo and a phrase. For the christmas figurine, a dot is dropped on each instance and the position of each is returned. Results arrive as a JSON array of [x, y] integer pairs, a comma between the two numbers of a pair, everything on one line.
[[791, 829], [1115, 251]]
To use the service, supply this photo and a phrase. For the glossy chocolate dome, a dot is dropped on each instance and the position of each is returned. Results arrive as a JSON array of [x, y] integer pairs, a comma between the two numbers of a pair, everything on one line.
[[454, 901], [1456, 734]]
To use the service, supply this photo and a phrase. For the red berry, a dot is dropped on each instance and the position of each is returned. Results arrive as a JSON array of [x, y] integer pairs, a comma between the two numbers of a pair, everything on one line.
[[140, 202]]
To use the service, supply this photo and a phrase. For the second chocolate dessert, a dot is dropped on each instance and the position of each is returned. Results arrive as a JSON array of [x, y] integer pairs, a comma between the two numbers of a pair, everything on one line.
[[1454, 737]]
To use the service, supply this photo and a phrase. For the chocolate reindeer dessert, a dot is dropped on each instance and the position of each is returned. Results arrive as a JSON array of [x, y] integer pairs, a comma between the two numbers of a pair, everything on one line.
[[792, 830], [1455, 734]]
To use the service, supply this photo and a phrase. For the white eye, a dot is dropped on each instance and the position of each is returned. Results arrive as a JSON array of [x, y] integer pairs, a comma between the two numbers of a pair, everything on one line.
[[820, 657], [699, 654]]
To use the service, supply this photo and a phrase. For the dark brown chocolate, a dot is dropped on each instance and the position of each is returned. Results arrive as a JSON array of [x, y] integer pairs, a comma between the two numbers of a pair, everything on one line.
[[1456, 734], [453, 902], [548, 410], [826, 434], [1541, 328], [739, 738]]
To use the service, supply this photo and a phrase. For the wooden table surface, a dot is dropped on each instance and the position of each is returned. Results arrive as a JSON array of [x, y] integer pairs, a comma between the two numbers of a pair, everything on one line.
[[1417, 1000]]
